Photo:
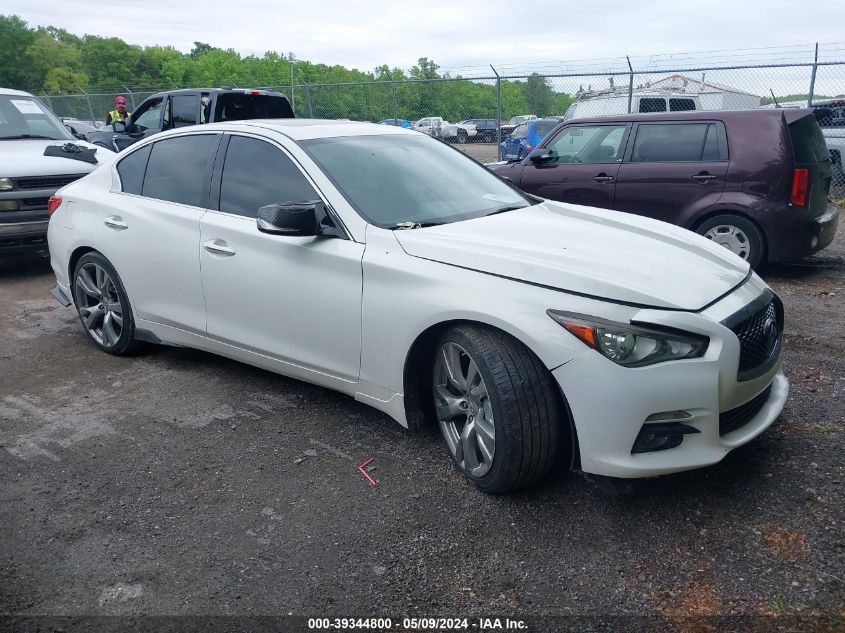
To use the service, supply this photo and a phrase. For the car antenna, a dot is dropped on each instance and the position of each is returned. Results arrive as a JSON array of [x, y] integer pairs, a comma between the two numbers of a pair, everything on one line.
[[774, 98]]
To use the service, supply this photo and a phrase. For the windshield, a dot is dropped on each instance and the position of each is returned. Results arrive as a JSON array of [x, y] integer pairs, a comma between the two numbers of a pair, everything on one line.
[[398, 178], [24, 117]]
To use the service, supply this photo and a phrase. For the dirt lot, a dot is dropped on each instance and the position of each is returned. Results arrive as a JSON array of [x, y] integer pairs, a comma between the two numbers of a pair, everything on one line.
[[176, 482], [482, 152]]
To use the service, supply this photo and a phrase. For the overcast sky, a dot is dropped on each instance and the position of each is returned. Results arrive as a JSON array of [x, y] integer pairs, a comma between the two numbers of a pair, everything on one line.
[[455, 34]]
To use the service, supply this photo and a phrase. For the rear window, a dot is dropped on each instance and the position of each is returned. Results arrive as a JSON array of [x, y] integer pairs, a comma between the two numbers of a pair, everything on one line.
[[681, 105], [650, 104], [687, 142], [238, 106], [544, 127], [808, 145], [131, 170]]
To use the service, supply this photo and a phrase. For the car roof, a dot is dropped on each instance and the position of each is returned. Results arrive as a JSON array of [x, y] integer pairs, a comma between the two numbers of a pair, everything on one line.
[[695, 115], [15, 93], [304, 129], [219, 91]]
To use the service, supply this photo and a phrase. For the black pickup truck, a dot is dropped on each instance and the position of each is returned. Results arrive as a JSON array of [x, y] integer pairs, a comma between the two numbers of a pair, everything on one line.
[[180, 108]]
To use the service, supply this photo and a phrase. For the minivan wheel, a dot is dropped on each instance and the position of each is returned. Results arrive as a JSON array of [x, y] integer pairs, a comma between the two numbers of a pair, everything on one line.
[[738, 235], [497, 407], [102, 305]]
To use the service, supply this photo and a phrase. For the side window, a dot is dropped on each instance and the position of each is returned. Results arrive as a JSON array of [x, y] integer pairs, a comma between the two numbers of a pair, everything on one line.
[[651, 104], [131, 170], [589, 144], [184, 110], [177, 169], [520, 131], [681, 105], [425, 122], [150, 117], [711, 145], [256, 174], [671, 143]]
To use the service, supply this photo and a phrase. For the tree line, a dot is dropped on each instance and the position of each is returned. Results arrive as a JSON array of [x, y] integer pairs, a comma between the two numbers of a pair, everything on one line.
[[52, 61]]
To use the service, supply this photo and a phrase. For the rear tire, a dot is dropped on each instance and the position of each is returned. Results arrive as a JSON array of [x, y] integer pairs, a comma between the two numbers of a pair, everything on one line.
[[737, 234], [103, 305], [462, 137], [497, 406], [488, 137]]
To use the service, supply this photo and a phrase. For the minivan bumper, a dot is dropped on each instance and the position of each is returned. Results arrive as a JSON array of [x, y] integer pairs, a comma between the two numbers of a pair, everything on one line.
[[796, 239]]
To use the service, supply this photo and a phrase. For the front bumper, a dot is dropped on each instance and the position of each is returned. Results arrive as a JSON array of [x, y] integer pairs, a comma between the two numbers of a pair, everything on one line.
[[610, 403]]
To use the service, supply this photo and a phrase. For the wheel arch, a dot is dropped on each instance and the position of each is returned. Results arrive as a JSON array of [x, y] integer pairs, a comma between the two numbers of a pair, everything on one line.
[[418, 408], [75, 256]]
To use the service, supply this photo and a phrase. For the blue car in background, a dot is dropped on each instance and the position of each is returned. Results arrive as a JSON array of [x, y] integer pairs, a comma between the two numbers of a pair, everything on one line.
[[396, 122], [526, 136]]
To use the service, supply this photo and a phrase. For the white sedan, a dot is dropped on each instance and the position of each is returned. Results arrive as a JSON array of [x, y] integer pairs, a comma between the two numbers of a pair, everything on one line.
[[386, 265]]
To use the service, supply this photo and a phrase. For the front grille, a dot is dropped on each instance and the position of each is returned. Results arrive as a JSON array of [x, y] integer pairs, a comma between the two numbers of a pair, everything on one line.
[[35, 203], [46, 182], [744, 413], [759, 339]]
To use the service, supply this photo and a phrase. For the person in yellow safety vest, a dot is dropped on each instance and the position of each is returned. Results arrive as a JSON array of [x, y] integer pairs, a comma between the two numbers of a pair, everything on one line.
[[119, 113]]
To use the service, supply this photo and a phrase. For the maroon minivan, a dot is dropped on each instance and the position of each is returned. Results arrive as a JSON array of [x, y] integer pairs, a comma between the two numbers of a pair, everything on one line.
[[755, 181]]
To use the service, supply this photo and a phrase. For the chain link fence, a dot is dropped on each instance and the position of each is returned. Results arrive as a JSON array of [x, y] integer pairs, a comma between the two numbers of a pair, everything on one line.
[[479, 108]]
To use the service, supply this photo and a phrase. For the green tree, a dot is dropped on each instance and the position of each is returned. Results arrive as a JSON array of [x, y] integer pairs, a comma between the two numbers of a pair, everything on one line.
[[16, 70], [539, 96]]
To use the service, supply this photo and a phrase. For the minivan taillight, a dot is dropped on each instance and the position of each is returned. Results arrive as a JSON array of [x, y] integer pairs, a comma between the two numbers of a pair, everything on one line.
[[53, 203], [800, 185]]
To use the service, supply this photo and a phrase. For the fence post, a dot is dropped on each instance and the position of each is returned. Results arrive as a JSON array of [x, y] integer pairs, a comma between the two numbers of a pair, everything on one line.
[[90, 109], [395, 116], [813, 78], [131, 96], [308, 99], [498, 114], [630, 84]]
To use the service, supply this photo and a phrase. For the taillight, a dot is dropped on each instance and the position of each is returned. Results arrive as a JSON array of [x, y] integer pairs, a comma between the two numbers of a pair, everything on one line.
[[53, 203], [800, 185], [528, 147], [255, 92]]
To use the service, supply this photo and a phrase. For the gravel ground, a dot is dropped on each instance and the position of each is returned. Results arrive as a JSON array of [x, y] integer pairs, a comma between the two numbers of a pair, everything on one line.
[[482, 152], [176, 482]]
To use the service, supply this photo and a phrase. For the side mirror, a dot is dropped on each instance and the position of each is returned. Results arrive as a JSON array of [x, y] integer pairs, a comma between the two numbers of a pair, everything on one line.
[[290, 218], [119, 127], [542, 155]]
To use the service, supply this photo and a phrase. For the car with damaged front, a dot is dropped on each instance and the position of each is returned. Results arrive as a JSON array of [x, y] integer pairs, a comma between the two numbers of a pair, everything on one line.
[[386, 265]]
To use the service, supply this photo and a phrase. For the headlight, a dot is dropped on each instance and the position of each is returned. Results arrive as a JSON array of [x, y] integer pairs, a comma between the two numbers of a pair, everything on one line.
[[5, 184], [629, 345]]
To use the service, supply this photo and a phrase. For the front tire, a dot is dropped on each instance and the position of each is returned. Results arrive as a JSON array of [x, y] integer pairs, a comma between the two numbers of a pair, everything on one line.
[[497, 406], [103, 305], [738, 235], [462, 137]]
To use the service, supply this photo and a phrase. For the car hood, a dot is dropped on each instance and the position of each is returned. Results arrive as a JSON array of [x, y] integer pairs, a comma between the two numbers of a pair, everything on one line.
[[25, 157], [594, 252]]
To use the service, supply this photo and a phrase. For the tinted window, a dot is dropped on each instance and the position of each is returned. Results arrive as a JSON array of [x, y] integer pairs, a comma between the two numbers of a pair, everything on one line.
[[808, 144], [238, 106], [652, 105], [681, 105], [711, 145], [184, 111], [131, 170], [589, 144], [669, 143], [255, 174], [177, 169]]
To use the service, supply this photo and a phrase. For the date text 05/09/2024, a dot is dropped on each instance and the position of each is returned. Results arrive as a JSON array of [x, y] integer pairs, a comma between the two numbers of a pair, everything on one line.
[[418, 624]]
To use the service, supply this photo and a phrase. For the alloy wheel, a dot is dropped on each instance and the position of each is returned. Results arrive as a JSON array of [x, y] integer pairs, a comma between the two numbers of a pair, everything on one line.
[[99, 304], [463, 409]]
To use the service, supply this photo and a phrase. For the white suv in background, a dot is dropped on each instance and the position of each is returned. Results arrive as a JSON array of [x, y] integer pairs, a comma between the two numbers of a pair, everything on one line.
[[27, 177]]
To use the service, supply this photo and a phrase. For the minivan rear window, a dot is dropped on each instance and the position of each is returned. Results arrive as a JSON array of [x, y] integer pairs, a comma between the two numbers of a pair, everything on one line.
[[808, 145], [237, 106]]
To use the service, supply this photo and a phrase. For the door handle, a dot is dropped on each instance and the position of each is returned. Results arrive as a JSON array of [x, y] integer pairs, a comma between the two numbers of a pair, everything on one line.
[[704, 177], [115, 222], [218, 247], [603, 178]]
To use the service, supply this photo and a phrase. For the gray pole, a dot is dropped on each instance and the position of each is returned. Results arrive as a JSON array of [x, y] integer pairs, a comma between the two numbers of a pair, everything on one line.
[[498, 114], [630, 84], [813, 78], [395, 116], [292, 93], [308, 99], [131, 96], [90, 109]]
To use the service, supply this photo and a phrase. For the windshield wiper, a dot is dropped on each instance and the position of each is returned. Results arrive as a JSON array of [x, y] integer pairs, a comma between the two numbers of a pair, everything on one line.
[[510, 207], [27, 136], [407, 226]]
